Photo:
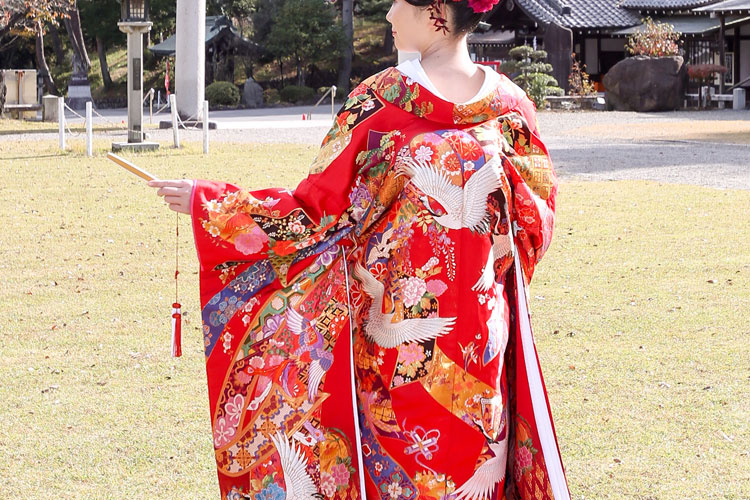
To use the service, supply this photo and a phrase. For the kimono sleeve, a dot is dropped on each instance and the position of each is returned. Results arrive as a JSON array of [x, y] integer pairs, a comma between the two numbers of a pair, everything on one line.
[[533, 184], [333, 204]]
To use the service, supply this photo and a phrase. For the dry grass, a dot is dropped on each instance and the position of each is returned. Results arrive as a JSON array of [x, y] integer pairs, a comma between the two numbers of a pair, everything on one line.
[[640, 311]]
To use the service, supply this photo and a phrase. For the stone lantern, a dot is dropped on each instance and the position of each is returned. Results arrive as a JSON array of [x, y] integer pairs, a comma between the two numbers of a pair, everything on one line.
[[134, 22]]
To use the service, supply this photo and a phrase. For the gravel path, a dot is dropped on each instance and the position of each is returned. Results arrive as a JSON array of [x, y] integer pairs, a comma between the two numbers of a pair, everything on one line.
[[582, 145]]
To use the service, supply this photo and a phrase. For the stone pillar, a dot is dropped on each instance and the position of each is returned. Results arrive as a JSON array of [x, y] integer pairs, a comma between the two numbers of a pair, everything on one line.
[[190, 57], [135, 31], [738, 99]]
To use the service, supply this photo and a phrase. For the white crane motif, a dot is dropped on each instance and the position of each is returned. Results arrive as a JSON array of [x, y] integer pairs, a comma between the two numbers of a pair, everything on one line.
[[500, 247], [297, 482], [386, 334], [464, 207], [485, 479]]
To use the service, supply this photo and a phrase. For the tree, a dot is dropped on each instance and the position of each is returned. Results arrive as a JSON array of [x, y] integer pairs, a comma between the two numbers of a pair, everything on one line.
[[533, 74], [99, 22], [305, 31], [81, 61], [345, 67], [238, 10], [163, 15], [28, 18], [377, 10]]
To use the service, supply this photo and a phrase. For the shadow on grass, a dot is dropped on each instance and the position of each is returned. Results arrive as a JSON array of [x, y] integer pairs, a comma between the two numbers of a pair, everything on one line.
[[55, 130], [35, 157]]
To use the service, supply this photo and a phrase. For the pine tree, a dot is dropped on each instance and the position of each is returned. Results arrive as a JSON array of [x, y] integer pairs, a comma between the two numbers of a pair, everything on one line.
[[533, 74]]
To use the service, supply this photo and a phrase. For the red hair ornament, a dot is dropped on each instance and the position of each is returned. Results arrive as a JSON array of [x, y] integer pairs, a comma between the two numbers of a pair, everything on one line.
[[437, 12]]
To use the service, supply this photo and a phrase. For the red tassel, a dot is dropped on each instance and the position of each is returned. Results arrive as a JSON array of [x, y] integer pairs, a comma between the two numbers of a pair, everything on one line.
[[176, 330]]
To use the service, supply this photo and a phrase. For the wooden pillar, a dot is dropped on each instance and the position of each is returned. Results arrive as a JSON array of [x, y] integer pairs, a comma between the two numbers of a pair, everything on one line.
[[721, 51]]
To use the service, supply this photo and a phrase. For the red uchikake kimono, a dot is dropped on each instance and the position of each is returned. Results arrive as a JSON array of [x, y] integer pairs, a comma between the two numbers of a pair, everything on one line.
[[369, 330]]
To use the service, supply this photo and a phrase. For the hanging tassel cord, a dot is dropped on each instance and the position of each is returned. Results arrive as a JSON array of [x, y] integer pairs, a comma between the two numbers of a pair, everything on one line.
[[176, 307], [176, 254]]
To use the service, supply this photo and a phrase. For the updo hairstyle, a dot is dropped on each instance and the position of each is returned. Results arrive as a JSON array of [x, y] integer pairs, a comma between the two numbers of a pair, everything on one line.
[[465, 20]]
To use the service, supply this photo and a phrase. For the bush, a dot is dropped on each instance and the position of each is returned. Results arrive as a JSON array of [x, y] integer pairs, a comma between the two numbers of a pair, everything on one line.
[[656, 40], [223, 94], [296, 93], [271, 96], [579, 81]]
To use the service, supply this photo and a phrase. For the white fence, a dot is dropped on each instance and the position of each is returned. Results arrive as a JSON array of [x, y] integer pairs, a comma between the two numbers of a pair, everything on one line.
[[177, 122]]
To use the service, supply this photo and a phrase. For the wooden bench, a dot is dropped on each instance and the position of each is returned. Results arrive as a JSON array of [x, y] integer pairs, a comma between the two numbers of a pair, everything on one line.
[[20, 108]]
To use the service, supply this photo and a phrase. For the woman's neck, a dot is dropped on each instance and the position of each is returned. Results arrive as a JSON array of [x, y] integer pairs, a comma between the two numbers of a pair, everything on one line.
[[450, 57]]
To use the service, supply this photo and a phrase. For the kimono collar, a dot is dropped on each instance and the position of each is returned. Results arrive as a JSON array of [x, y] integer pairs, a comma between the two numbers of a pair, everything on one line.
[[393, 86]]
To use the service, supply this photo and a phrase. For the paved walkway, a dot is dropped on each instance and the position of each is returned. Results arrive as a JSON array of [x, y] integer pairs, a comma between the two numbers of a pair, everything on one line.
[[587, 145]]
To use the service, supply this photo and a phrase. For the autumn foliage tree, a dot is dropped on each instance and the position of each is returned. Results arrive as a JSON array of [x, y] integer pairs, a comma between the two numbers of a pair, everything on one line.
[[28, 18]]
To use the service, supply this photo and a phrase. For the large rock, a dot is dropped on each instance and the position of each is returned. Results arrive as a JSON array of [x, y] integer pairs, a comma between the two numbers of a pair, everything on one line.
[[252, 94], [643, 83]]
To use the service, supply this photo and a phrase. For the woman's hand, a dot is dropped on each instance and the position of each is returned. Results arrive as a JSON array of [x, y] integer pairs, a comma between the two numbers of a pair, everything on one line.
[[176, 193]]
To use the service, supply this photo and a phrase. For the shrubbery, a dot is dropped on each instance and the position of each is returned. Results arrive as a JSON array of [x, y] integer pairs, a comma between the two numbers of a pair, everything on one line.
[[223, 94], [579, 81], [656, 40], [296, 93], [271, 96]]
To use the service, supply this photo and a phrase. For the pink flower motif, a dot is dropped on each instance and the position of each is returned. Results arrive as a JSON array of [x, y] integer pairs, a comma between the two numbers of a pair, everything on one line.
[[233, 409], [341, 474], [250, 242], [523, 457], [223, 432], [296, 227], [368, 105], [423, 153], [411, 353], [275, 360], [327, 484], [257, 362], [436, 287], [412, 290]]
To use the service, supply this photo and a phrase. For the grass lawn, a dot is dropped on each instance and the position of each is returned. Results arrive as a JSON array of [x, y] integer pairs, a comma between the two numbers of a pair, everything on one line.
[[640, 309]]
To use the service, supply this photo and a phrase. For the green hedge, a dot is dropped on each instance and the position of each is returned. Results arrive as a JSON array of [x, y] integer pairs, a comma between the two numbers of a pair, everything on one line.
[[295, 93], [223, 94]]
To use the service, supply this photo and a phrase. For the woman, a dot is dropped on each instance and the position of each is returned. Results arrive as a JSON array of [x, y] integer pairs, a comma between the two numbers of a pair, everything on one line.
[[369, 331]]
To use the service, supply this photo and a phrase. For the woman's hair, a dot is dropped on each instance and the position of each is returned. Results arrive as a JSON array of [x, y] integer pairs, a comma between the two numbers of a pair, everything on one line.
[[465, 20]]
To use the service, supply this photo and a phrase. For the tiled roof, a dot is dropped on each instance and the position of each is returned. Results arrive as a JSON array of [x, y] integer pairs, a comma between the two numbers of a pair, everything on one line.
[[727, 6], [694, 25], [664, 4], [583, 13]]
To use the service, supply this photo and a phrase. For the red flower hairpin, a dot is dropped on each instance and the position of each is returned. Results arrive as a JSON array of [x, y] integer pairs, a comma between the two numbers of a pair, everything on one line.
[[440, 22]]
